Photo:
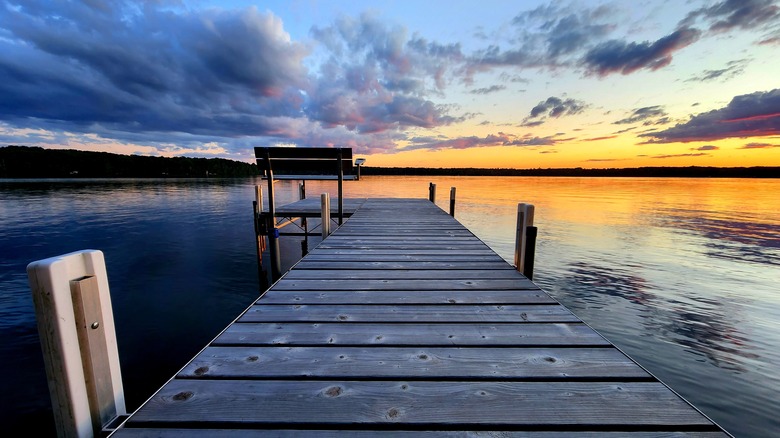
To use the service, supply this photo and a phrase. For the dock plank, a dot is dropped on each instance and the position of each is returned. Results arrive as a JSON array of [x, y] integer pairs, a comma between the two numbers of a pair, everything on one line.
[[525, 364], [418, 403], [483, 297], [411, 334], [346, 313]]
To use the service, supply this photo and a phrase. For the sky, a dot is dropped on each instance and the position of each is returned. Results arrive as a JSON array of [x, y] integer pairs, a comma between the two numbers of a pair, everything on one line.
[[492, 84]]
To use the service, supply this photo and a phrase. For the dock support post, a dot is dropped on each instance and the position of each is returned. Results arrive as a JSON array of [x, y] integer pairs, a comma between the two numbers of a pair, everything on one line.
[[452, 201], [260, 244], [304, 222], [525, 219], [78, 339], [530, 252], [432, 192], [273, 232], [325, 214], [341, 193]]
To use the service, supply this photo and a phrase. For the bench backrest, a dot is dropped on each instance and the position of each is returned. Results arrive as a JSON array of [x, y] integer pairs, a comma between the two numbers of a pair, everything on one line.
[[304, 163]]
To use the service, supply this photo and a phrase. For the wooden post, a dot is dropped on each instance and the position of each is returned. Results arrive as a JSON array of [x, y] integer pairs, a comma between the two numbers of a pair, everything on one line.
[[432, 192], [302, 190], [325, 214], [78, 339], [257, 205], [341, 182], [452, 201], [530, 252], [525, 218], [273, 232]]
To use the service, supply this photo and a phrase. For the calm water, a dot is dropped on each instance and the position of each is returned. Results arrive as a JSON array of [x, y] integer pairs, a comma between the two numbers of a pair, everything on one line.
[[682, 274]]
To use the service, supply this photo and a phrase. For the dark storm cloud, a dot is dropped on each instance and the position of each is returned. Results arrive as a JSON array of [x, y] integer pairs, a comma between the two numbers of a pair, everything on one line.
[[617, 56], [642, 115], [217, 73], [749, 115]]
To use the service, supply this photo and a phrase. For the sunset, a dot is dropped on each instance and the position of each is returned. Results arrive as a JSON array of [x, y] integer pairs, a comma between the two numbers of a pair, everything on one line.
[[317, 218], [409, 84]]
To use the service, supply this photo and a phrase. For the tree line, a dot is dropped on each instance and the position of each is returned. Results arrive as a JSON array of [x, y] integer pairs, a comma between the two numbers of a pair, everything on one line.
[[36, 162]]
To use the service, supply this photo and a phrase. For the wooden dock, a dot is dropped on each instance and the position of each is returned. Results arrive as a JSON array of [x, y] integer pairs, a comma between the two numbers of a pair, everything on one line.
[[402, 322]]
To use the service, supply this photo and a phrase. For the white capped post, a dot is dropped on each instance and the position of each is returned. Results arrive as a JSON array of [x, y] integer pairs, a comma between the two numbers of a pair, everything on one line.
[[76, 328]]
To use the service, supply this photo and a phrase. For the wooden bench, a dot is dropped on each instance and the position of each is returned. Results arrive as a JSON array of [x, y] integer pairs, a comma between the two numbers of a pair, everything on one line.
[[312, 163], [316, 163]]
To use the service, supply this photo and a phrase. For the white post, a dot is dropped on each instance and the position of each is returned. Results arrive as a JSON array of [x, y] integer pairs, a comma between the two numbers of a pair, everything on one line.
[[325, 214], [76, 327], [525, 218]]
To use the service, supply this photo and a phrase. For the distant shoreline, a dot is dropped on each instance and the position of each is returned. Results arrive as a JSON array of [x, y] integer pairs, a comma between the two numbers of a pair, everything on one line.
[[18, 162]]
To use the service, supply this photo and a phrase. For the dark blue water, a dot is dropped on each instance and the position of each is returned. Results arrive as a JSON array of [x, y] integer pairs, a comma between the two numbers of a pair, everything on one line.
[[681, 274], [181, 266]]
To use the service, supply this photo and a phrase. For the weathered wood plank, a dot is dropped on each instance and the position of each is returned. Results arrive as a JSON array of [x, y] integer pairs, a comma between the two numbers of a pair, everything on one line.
[[405, 246], [293, 433], [502, 297], [408, 275], [449, 334], [539, 404], [400, 284], [399, 265], [404, 238], [416, 313], [392, 255], [456, 363]]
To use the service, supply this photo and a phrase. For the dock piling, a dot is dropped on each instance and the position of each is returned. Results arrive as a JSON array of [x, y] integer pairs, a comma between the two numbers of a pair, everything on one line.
[[432, 192], [452, 201], [325, 215], [525, 219]]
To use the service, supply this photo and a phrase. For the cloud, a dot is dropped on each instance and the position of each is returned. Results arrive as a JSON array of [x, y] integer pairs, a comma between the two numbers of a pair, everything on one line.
[[155, 74], [500, 139], [553, 107], [488, 90], [642, 114], [548, 37], [749, 115], [213, 73], [732, 69], [562, 32], [708, 147], [606, 137], [702, 154], [731, 14], [760, 146], [621, 57]]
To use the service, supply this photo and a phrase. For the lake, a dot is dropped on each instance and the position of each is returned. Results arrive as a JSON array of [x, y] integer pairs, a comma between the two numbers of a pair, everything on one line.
[[681, 274]]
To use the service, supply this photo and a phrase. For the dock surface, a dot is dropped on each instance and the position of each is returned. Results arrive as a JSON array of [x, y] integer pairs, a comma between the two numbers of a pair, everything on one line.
[[402, 322]]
